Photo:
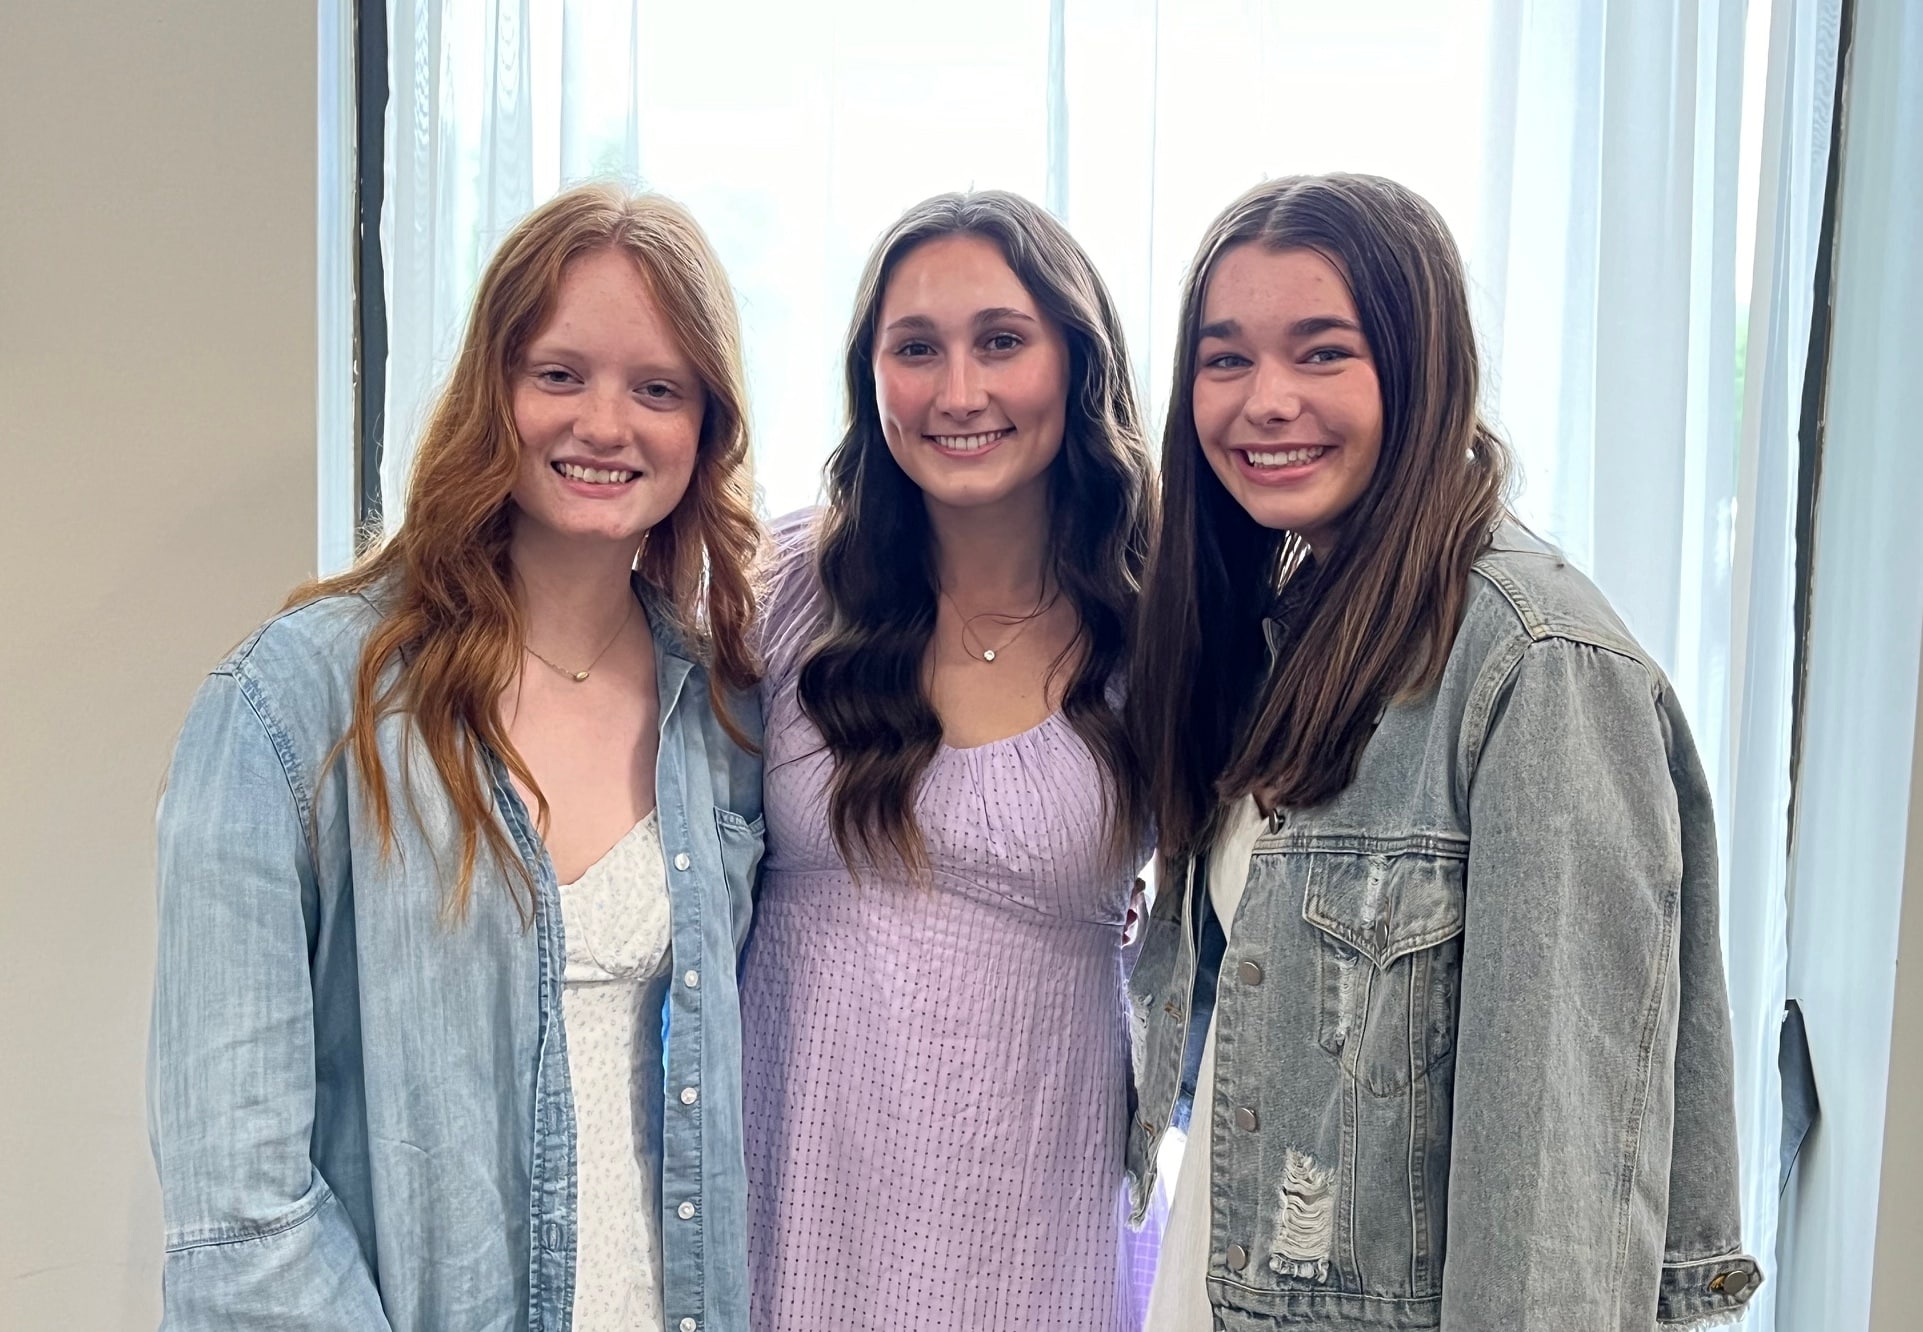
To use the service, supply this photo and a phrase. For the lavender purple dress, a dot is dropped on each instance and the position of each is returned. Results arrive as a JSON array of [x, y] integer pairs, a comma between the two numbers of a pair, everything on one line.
[[935, 1078]]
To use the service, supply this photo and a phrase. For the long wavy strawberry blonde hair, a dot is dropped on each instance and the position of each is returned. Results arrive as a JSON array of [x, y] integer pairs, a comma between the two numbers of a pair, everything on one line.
[[450, 638]]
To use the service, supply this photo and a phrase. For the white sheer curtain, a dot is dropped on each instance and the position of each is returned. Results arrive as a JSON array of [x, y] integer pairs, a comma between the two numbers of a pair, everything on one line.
[[1853, 790], [1624, 178]]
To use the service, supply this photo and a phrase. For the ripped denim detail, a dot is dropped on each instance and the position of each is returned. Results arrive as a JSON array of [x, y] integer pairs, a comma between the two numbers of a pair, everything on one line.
[[1305, 1231]]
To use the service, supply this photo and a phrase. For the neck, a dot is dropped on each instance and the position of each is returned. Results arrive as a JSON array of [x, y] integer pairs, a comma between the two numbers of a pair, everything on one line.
[[572, 593], [994, 555]]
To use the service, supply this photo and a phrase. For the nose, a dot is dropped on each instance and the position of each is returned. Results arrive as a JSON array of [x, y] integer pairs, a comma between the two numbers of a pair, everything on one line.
[[601, 423], [1275, 396], [962, 394]]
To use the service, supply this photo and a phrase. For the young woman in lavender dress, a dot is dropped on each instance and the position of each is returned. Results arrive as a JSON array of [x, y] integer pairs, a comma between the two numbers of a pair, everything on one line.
[[935, 1045]]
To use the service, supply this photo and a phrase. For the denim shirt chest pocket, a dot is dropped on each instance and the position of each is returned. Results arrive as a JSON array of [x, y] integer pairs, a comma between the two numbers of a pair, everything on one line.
[[743, 841], [1388, 923]]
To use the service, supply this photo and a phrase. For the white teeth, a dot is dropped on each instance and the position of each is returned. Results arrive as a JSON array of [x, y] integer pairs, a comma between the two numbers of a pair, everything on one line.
[[1285, 457], [968, 443], [596, 475]]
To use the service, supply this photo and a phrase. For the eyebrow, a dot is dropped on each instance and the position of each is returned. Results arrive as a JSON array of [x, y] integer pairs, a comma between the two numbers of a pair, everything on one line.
[[994, 314], [555, 351], [1301, 328]]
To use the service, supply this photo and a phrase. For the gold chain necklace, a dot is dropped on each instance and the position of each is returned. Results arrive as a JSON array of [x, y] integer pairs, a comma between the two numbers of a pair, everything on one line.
[[1021, 623], [580, 675]]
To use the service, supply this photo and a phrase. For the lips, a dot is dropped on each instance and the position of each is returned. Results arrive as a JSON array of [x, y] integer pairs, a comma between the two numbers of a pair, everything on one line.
[[967, 444], [595, 476], [1284, 456], [1283, 465]]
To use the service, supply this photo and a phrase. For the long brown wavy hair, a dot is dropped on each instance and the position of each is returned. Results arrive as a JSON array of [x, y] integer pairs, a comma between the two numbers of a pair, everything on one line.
[[450, 637], [861, 680], [1363, 624]]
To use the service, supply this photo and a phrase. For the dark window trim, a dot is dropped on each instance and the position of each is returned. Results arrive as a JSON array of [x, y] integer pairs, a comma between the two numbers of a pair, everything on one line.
[[1812, 427], [370, 293]]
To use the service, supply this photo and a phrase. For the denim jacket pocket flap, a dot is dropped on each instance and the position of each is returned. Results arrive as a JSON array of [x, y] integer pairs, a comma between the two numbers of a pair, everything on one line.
[[1387, 904], [1389, 923]]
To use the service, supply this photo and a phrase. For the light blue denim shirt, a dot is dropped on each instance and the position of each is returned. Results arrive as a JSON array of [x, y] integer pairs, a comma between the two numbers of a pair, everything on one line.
[[1473, 1065], [359, 1110]]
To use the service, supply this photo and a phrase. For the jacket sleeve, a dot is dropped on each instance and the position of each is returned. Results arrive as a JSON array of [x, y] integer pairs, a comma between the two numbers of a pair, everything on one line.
[[255, 1239], [1566, 1033]]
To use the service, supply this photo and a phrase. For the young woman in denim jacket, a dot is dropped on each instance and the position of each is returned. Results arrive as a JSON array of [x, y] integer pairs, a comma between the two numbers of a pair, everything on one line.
[[1468, 1064], [372, 1104]]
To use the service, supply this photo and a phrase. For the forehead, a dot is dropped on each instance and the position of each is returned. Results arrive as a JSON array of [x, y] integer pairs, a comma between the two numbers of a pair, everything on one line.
[[953, 276], [1251, 281], [603, 297]]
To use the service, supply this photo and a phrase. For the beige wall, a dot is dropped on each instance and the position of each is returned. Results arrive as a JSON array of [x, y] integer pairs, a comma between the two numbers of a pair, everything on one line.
[[1899, 1215], [157, 390]]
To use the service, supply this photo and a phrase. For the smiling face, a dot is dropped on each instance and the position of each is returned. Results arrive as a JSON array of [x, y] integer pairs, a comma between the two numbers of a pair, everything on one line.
[[1286, 401], [971, 376], [608, 409]]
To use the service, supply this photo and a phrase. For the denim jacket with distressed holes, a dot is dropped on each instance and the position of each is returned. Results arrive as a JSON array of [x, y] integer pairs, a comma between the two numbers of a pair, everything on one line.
[[1473, 1062], [360, 1111]]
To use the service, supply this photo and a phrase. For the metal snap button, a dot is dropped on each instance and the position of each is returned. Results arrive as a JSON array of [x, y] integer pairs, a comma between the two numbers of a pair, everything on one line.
[[1245, 1119], [1249, 973], [1732, 1283], [1238, 1257]]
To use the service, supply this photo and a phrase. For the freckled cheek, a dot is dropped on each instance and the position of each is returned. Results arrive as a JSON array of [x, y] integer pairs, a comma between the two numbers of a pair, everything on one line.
[[534, 426]]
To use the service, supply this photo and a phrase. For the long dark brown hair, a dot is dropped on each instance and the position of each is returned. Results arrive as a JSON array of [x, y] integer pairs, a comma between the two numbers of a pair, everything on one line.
[[1362, 624], [449, 617], [860, 681]]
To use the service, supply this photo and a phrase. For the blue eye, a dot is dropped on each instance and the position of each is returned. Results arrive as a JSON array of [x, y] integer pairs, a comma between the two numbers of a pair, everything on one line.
[[1226, 361], [1002, 342], [1329, 355]]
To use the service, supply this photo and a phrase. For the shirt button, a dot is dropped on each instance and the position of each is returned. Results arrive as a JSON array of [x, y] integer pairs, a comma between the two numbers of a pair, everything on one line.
[[1382, 934], [692, 980], [689, 1325], [1249, 973], [688, 1095], [681, 861], [1238, 1257], [1245, 1119], [685, 1211]]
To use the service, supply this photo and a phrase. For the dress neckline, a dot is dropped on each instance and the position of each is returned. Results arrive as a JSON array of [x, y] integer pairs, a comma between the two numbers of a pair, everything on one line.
[[608, 855]]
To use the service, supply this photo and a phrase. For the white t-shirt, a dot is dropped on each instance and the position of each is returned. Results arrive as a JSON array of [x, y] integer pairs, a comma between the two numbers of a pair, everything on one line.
[[1179, 1301], [616, 921]]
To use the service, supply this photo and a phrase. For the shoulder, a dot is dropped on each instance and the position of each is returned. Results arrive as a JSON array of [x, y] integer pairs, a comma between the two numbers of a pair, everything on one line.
[[298, 669], [1534, 627], [1523, 591], [794, 540], [792, 596]]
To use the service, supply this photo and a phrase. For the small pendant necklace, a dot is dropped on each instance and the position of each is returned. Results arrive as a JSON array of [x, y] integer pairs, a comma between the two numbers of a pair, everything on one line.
[[988, 654], [582, 674]]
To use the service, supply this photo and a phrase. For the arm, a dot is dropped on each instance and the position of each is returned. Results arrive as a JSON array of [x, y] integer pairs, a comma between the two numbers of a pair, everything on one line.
[[255, 1238], [1567, 1027]]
